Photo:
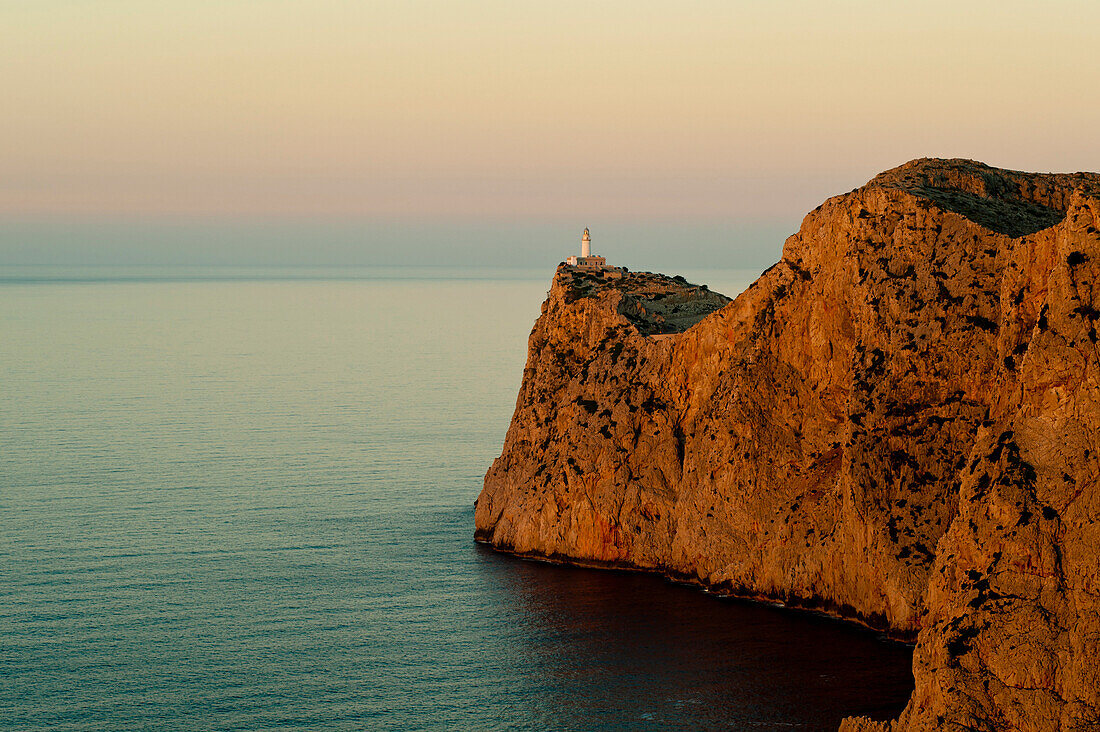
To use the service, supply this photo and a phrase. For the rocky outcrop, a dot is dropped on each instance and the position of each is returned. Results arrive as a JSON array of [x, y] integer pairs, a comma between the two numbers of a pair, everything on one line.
[[897, 423]]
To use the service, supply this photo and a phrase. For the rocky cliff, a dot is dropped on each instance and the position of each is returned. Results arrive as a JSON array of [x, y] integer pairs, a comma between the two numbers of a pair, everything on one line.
[[897, 423]]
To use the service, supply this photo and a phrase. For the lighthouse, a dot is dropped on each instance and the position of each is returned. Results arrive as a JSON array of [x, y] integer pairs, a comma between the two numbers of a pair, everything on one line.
[[587, 260]]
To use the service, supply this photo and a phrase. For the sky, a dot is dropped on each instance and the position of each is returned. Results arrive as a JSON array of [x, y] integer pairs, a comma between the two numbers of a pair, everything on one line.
[[733, 118]]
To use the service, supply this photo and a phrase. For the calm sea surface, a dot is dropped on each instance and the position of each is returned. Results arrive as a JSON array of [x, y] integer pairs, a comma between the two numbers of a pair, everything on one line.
[[243, 499]]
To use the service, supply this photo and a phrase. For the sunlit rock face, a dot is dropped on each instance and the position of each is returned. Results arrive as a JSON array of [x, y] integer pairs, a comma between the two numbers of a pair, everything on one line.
[[899, 422]]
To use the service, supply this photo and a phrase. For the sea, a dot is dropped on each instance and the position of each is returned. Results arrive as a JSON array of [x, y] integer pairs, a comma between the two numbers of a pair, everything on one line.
[[240, 498]]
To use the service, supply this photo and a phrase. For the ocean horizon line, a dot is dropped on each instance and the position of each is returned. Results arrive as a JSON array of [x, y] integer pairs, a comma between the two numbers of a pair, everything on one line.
[[23, 274]]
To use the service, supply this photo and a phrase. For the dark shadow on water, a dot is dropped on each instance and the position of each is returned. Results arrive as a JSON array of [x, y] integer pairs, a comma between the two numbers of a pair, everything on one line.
[[623, 650]]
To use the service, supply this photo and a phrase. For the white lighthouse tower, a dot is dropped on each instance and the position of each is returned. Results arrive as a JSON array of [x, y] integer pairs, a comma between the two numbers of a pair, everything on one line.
[[586, 260]]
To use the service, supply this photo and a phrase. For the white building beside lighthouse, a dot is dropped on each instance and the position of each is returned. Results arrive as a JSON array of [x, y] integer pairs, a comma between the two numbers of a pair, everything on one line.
[[586, 260]]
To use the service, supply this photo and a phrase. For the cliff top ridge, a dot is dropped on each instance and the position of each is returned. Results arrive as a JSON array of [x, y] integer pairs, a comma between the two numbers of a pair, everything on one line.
[[1007, 202], [655, 304]]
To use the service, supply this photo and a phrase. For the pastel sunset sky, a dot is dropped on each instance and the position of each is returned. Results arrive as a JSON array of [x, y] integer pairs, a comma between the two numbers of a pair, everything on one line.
[[507, 110]]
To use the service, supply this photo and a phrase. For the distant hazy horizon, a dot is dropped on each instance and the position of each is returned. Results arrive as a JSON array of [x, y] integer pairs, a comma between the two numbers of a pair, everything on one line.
[[670, 247], [484, 133]]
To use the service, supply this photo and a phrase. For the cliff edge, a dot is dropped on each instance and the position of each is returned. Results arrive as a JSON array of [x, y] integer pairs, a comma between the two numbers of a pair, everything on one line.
[[897, 423]]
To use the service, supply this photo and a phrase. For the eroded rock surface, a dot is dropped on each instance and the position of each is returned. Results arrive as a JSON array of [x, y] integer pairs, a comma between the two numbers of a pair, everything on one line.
[[898, 423]]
